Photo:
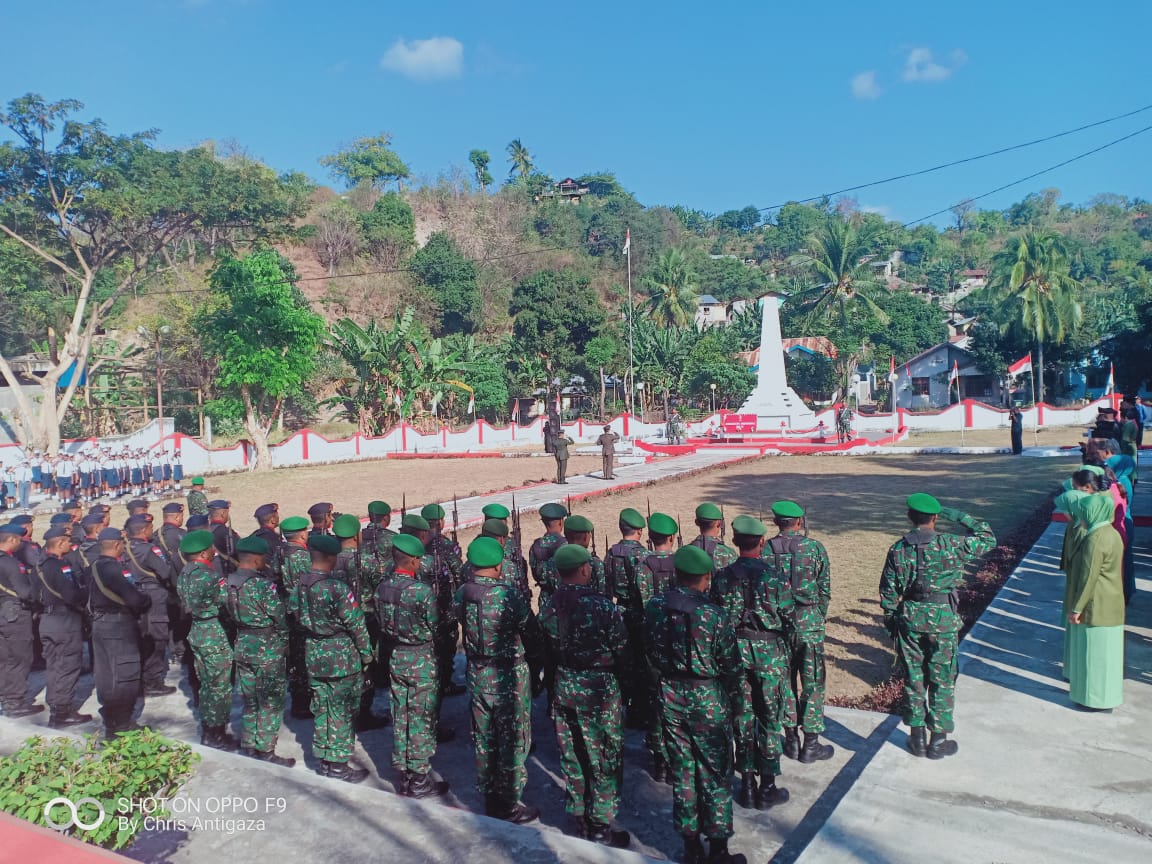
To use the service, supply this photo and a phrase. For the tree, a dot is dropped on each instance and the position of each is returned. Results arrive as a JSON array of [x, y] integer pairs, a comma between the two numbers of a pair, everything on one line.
[[480, 160], [671, 289], [600, 354], [265, 335], [337, 234], [104, 213], [389, 228], [848, 288], [521, 159], [1034, 292], [450, 278], [370, 160], [556, 314]]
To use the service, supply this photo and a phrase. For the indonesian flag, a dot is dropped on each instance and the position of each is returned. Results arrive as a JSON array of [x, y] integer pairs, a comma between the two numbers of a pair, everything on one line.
[[1024, 364], [892, 376], [398, 399], [954, 375], [1111, 385], [472, 405], [627, 241]]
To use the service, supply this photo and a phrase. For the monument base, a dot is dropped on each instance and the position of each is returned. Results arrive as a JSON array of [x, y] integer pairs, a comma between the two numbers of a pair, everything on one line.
[[774, 409]]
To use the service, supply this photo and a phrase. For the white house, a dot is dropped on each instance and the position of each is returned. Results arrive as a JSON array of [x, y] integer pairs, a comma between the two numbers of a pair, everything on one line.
[[710, 312], [922, 383]]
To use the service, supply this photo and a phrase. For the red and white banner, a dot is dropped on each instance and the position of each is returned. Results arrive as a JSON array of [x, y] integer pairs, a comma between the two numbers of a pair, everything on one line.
[[1024, 364]]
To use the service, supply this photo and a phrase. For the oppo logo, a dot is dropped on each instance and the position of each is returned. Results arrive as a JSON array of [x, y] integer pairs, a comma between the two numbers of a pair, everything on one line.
[[66, 806]]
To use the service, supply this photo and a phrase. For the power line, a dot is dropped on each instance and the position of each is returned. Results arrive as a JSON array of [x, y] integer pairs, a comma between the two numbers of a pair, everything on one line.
[[963, 161]]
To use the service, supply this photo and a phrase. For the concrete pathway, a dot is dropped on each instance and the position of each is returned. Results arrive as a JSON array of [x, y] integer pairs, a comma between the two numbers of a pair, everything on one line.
[[1036, 780]]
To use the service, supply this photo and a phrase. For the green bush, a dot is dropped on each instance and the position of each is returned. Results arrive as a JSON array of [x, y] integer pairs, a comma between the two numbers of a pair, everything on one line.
[[134, 766]]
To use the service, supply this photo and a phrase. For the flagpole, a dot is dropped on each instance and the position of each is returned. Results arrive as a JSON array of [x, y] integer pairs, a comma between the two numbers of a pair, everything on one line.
[[959, 401], [1035, 404], [631, 361]]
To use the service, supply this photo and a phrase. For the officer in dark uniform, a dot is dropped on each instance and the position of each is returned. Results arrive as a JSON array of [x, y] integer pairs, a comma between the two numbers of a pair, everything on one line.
[[74, 512], [224, 538], [116, 606], [17, 600], [268, 518], [29, 554], [154, 575], [321, 516], [136, 507], [62, 603], [168, 538]]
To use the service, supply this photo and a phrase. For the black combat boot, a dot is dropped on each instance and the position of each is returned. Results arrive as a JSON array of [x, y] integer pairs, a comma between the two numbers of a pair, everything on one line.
[[366, 721], [918, 741], [605, 836], [693, 850], [423, 786], [768, 794], [718, 853], [516, 812], [813, 750], [218, 738], [342, 771], [26, 709], [67, 718], [159, 690], [271, 758], [940, 746], [792, 742], [748, 789], [659, 769]]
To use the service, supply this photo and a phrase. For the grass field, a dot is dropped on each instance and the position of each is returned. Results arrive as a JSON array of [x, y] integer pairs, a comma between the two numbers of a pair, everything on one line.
[[1057, 436]]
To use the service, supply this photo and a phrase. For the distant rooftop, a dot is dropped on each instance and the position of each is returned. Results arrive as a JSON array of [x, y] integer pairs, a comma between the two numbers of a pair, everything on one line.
[[707, 300]]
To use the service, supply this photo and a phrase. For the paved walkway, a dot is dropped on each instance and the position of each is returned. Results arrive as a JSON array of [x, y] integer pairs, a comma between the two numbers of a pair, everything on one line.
[[1035, 779]]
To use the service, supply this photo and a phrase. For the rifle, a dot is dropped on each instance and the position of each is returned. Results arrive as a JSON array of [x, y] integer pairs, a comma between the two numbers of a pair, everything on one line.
[[650, 548], [594, 542], [516, 538], [403, 506], [455, 519], [679, 536], [723, 524], [569, 505]]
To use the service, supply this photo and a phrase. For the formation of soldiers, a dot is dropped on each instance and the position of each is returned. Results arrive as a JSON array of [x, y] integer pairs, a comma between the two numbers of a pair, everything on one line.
[[715, 650]]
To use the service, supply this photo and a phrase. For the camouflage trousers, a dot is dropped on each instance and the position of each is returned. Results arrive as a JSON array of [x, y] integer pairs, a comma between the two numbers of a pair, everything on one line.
[[262, 687], [760, 709], [501, 728], [806, 682], [415, 704], [212, 656], [589, 731], [334, 702], [696, 723], [928, 662]]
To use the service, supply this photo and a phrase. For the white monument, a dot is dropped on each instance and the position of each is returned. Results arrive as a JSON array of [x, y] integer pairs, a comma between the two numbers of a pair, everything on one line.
[[773, 401]]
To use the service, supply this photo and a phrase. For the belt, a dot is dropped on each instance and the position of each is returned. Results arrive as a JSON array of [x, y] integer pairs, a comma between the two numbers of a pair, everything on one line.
[[759, 635], [264, 631], [308, 634], [941, 598], [606, 667], [494, 662], [687, 676], [113, 613], [60, 607], [206, 618], [396, 643]]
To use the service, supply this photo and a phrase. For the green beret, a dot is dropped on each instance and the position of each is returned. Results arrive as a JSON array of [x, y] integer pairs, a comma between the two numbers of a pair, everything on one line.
[[379, 508], [748, 525], [922, 502], [662, 523], [432, 511], [787, 509], [415, 521], [495, 528], [570, 556], [324, 543], [293, 524], [708, 511], [553, 511], [631, 518], [196, 541], [578, 524], [485, 552], [409, 545], [252, 545], [197, 481], [346, 525], [692, 560], [496, 511]]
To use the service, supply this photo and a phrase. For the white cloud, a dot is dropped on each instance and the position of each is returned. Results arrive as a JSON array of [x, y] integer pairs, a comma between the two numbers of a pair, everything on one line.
[[879, 209], [920, 65], [864, 85], [425, 59]]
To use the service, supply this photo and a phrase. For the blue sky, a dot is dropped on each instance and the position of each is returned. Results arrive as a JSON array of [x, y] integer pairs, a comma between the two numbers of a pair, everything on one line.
[[716, 106]]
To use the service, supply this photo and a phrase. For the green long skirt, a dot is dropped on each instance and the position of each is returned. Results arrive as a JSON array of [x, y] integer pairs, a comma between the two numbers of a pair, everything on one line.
[[1096, 665]]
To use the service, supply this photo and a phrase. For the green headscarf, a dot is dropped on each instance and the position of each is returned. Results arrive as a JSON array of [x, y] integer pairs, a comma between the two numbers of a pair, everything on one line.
[[1067, 501], [1094, 511]]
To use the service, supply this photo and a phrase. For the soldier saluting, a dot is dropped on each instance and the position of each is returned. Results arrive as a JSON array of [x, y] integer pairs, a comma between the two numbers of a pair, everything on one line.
[[918, 595]]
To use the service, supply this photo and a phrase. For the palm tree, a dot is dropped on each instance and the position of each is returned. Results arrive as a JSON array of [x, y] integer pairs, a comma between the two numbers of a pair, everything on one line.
[[1034, 292], [661, 355], [671, 290], [840, 258], [521, 160]]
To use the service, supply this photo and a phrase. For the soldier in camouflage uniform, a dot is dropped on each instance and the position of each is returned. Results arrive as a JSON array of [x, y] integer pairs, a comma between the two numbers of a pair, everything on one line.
[[197, 500], [758, 600], [803, 563], [692, 644], [655, 575], [918, 595], [512, 551], [261, 619], [295, 562], [448, 568], [586, 653], [337, 651], [204, 594], [510, 572], [502, 642], [156, 577], [350, 567], [540, 554], [408, 614], [710, 521], [267, 516], [377, 537], [620, 569], [580, 531]]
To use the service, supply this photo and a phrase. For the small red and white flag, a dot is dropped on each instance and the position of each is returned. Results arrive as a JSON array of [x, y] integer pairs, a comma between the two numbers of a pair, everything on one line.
[[954, 375], [472, 405], [892, 376], [1021, 366], [627, 241], [1111, 385]]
